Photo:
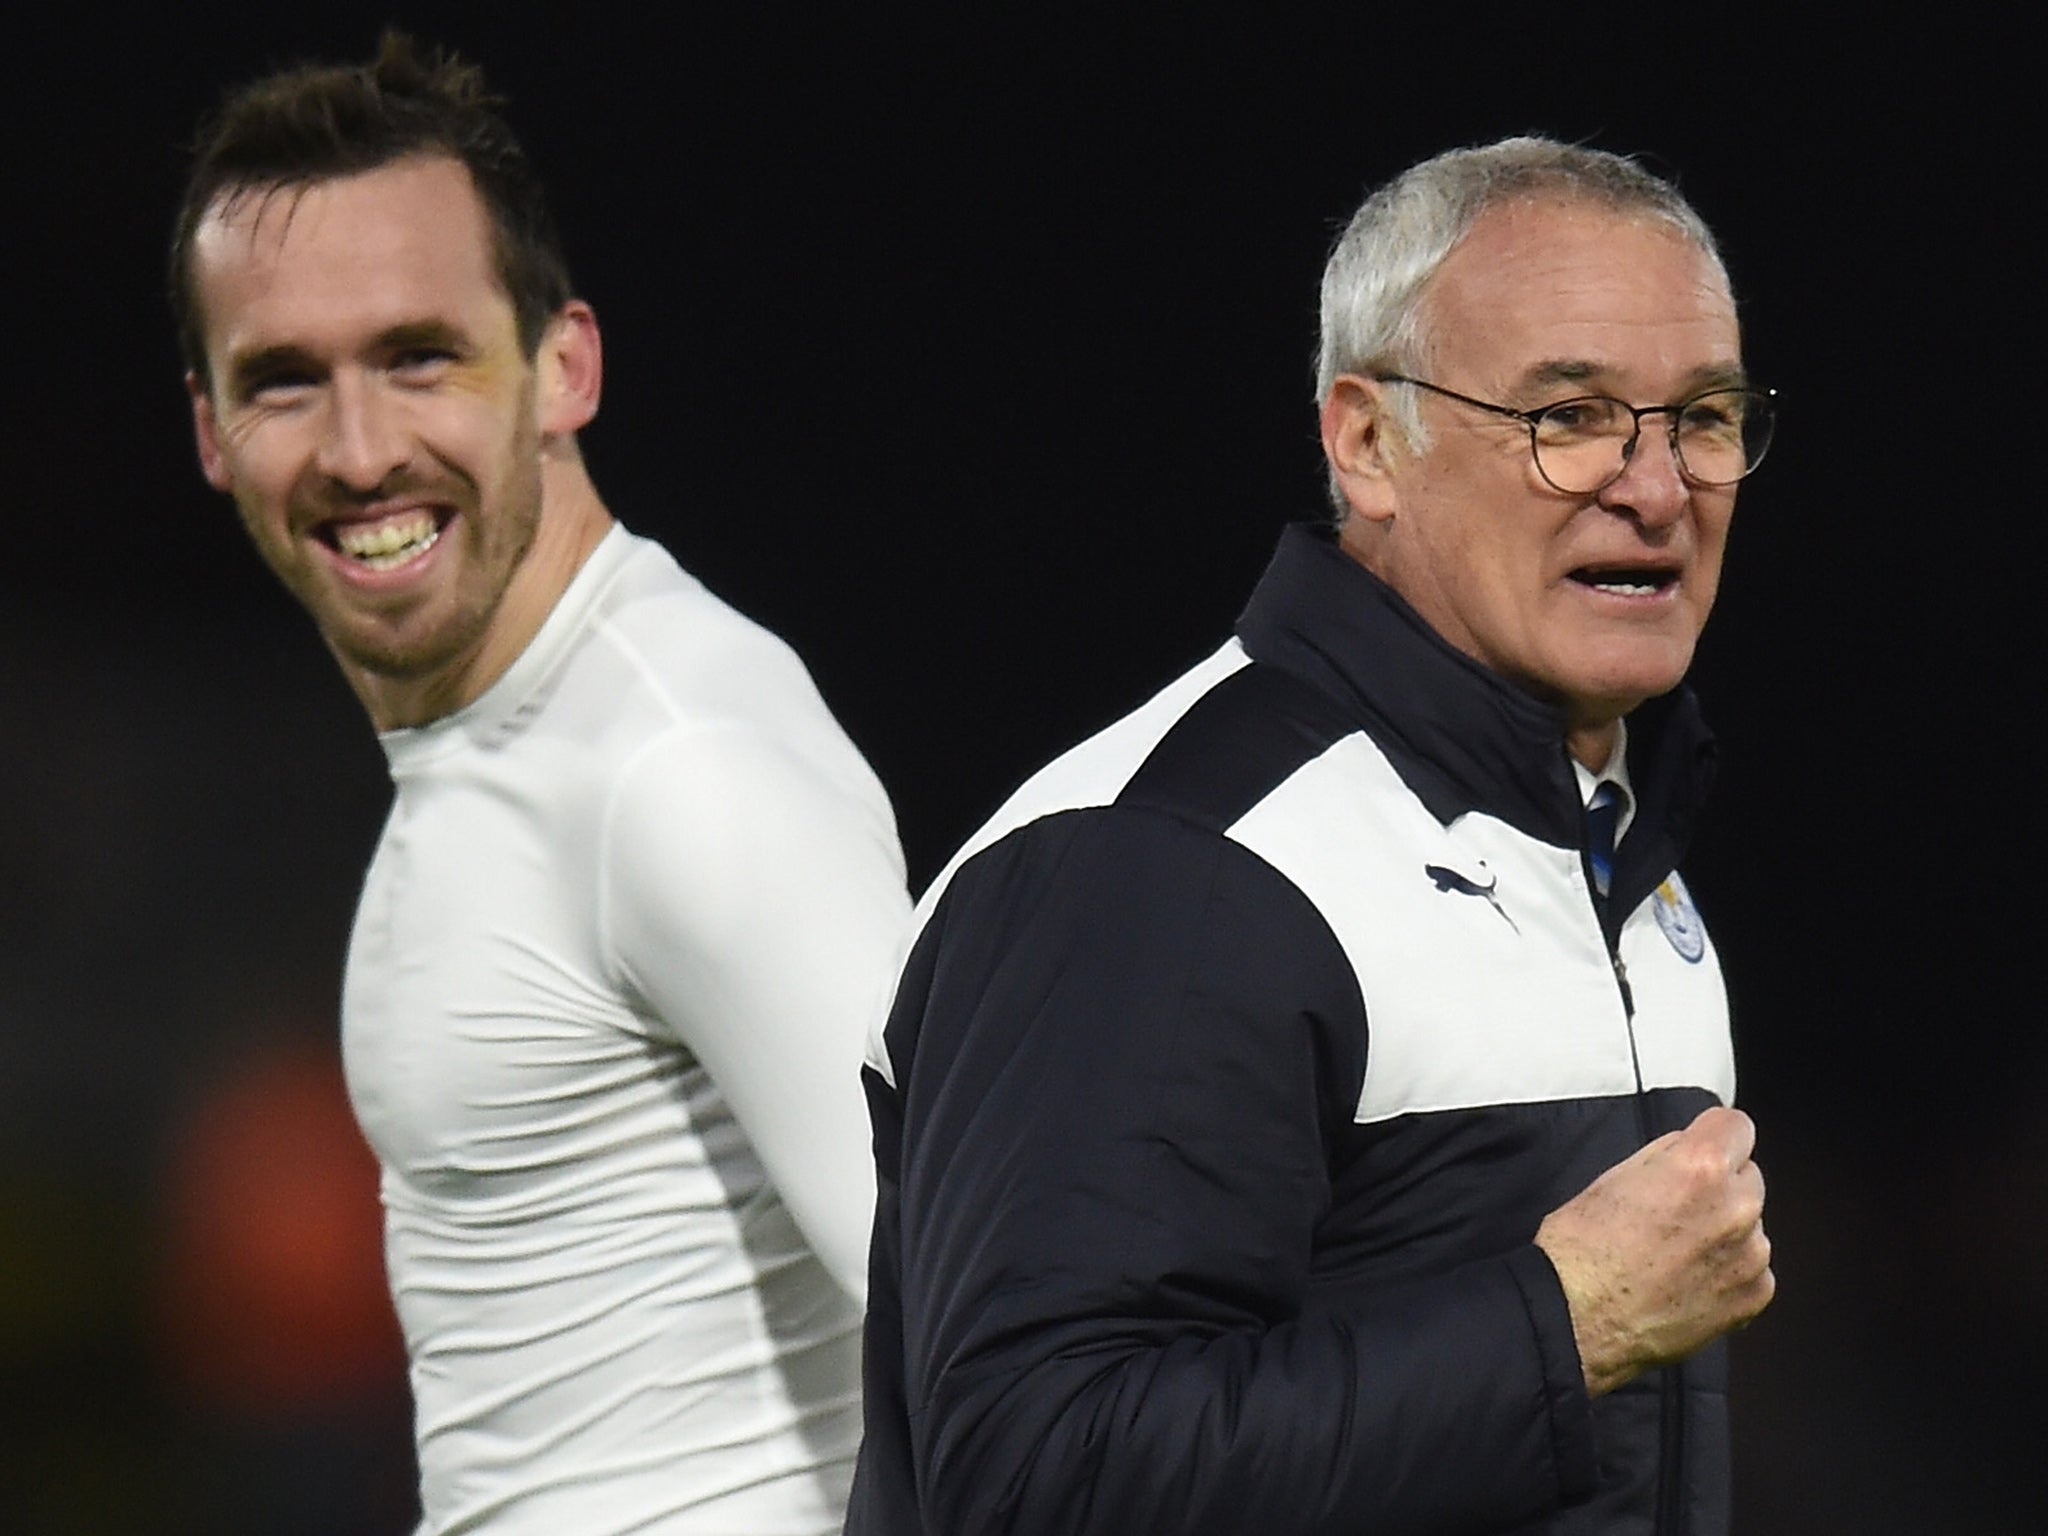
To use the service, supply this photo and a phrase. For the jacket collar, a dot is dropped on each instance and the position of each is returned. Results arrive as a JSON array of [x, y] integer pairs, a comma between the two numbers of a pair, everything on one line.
[[1462, 737]]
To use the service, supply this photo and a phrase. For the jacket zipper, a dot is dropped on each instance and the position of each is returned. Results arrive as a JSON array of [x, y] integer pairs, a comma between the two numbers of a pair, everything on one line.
[[1671, 1386]]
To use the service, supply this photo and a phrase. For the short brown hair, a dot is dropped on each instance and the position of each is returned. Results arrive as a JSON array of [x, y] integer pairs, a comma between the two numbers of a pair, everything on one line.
[[316, 122]]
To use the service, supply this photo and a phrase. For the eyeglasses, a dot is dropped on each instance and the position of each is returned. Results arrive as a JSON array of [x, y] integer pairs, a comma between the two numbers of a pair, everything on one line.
[[1584, 444]]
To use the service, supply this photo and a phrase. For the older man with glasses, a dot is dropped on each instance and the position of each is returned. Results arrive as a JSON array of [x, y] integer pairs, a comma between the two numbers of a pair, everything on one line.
[[1306, 1106]]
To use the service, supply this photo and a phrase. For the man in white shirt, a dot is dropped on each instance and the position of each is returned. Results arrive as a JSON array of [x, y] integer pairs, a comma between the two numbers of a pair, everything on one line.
[[637, 895]]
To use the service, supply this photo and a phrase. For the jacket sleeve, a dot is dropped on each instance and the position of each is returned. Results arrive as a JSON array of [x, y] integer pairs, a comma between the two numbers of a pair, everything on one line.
[[1122, 1044]]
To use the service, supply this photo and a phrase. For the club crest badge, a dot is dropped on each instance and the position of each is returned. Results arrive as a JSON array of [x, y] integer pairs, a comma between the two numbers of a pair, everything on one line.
[[1680, 919]]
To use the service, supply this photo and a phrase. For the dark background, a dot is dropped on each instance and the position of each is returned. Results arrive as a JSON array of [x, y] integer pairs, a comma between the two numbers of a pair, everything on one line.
[[974, 359]]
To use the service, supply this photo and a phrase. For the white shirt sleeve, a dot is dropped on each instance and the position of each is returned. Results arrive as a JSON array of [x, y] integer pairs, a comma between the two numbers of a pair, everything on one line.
[[755, 900]]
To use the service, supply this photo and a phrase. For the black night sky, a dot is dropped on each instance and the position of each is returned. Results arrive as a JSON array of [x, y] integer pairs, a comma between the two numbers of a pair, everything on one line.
[[973, 358]]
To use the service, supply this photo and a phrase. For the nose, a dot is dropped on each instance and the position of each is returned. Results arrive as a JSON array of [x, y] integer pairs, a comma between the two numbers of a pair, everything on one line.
[[362, 441], [1650, 486]]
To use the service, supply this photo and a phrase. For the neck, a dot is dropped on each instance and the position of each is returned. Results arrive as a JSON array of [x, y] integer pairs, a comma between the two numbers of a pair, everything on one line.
[[1592, 745]]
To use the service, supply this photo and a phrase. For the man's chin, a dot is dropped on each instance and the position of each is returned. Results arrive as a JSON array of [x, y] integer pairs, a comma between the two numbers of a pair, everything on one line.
[[1615, 696], [1634, 668], [399, 653]]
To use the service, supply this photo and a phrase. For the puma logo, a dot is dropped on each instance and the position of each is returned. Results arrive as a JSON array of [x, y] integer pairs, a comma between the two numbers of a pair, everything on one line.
[[1451, 880]]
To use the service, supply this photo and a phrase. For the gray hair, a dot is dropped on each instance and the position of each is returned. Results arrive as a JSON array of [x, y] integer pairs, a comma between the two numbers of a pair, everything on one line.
[[1373, 284]]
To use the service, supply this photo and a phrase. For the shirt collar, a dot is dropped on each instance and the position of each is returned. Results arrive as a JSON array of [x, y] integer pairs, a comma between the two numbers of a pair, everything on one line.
[[1615, 773], [1461, 736]]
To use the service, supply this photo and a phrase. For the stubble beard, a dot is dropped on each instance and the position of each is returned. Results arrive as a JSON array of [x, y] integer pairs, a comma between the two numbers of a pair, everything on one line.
[[413, 640]]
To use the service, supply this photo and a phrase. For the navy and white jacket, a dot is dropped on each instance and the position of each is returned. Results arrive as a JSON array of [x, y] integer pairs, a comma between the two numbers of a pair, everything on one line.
[[1233, 1067]]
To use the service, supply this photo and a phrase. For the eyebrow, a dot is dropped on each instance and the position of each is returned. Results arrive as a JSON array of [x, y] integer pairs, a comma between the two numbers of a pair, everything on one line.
[[249, 371], [1583, 371], [423, 333]]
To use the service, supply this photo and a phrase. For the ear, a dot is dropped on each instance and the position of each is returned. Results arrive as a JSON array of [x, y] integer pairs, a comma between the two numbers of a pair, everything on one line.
[[1361, 445], [571, 369], [206, 433]]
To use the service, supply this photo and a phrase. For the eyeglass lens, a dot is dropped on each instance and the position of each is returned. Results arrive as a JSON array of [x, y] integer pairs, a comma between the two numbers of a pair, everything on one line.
[[1583, 445]]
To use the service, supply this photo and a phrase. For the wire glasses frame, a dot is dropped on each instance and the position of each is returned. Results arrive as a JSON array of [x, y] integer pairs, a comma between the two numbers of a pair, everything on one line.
[[1584, 444]]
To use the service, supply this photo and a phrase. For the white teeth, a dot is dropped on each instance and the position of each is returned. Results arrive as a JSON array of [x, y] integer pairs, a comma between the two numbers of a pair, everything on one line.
[[385, 546], [1627, 588]]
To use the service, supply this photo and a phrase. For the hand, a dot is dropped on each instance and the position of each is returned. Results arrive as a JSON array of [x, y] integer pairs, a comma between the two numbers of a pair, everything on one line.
[[1665, 1252]]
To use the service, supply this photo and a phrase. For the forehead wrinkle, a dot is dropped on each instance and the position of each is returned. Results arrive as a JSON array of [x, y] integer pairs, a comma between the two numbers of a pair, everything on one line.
[[1584, 261], [1589, 374], [1560, 370]]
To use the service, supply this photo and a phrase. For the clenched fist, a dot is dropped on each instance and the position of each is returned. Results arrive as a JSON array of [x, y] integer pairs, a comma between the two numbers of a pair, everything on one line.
[[1665, 1252]]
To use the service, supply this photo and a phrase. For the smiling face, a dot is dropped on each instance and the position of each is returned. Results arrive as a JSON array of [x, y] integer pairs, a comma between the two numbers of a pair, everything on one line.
[[377, 423], [1593, 602]]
